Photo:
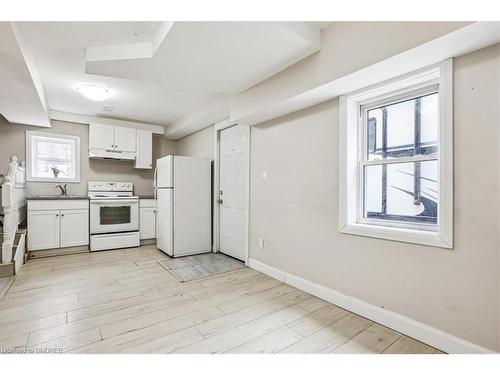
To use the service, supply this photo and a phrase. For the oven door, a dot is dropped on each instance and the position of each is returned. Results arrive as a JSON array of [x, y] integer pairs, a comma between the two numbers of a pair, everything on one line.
[[114, 215]]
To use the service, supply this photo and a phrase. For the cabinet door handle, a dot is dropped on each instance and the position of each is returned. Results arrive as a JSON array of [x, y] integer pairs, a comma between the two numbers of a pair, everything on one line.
[[62, 215]]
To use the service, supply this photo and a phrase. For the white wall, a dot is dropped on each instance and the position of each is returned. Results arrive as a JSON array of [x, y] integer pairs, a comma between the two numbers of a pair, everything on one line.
[[200, 144], [346, 47], [296, 213]]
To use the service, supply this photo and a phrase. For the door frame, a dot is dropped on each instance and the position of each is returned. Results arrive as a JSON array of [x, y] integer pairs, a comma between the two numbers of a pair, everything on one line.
[[220, 126]]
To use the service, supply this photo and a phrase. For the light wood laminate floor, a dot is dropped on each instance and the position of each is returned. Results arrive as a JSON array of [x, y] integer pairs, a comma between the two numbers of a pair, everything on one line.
[[123, 301]]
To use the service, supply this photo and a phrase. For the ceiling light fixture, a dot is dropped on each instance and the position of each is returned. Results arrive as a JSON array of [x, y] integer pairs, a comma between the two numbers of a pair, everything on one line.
[[93, 92]]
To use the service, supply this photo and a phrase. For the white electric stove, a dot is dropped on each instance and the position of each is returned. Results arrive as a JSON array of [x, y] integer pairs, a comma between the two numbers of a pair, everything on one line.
[[114, 215]]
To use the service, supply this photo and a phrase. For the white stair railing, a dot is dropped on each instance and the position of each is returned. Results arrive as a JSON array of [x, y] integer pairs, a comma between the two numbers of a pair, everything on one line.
[[13, 206]]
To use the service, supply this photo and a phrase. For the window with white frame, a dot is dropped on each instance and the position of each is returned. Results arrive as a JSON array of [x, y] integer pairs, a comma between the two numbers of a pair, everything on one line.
[[396, 159], [52, 157]]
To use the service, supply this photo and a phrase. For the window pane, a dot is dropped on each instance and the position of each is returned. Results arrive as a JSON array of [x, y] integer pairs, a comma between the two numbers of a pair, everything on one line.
[[407, 128], [53, 149], [53, 157], [54, 169], [402, 192]]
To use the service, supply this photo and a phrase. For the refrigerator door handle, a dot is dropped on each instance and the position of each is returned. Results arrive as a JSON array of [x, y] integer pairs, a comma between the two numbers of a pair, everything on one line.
[[154, 181]]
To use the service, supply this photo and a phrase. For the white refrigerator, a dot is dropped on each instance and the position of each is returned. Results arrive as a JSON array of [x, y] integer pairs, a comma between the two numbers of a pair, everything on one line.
[[183, 205]]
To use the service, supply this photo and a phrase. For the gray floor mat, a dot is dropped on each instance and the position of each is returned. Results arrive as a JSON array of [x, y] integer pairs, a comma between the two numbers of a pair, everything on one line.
[[200, 266]]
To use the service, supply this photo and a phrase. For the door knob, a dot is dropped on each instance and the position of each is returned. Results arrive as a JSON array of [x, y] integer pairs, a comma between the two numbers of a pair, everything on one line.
[[220, 201]]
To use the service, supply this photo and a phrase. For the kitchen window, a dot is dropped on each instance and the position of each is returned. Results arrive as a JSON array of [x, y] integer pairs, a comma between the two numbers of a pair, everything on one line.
[[52, 157], [396, 159]]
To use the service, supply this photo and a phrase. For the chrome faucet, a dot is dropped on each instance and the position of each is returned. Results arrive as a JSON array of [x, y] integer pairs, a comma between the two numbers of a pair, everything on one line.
[[64, 190]]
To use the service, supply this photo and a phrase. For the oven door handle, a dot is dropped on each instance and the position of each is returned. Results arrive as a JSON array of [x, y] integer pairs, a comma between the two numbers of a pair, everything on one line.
[[117, 201]]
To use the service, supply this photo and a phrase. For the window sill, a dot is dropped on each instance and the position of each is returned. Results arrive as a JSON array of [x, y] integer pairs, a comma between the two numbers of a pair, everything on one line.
[[50, 179], [420, 237]]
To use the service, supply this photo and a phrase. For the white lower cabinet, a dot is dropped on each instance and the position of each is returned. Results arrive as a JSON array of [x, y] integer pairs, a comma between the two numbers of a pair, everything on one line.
[[65, 224], [147, 219], [74, 227], [43, 230]]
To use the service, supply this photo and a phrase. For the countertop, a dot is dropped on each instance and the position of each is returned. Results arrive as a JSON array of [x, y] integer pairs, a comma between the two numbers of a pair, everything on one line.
[[71, 197], [56, 197]]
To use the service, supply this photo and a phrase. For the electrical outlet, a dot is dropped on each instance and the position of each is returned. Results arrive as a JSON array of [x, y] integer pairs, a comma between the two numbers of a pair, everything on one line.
[[261, 243]]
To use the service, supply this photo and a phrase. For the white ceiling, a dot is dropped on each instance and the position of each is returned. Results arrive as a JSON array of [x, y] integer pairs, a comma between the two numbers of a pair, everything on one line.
[[22, 99], [190, 64], [224, 57]]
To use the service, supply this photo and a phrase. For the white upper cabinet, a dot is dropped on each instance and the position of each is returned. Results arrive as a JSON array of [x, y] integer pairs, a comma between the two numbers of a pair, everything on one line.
[[101, 136], [144, 149], [125, 139], [115, 142], [118, 142]]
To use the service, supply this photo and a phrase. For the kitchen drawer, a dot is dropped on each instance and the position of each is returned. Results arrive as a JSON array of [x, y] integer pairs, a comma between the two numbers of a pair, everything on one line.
[[114, 241], [43, 205], [147, 203]]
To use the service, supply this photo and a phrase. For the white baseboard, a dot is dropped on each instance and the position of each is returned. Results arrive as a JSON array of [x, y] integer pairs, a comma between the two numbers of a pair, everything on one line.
[[401, 323], [267, 270]]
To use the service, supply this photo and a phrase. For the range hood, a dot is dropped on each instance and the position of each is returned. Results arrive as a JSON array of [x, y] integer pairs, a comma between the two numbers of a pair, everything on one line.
[[95, 153]]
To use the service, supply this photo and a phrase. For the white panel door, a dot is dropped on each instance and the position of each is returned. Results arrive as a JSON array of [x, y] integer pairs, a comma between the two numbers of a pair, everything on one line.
[[192, 205], [233, 191], [147, 222], [74, 227], [43, 230], [164, 223], [164, 176], [101, 137], [125, 139]]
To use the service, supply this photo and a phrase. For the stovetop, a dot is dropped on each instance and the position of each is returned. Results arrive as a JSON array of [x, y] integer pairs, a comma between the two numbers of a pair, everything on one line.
[[106, 186]]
